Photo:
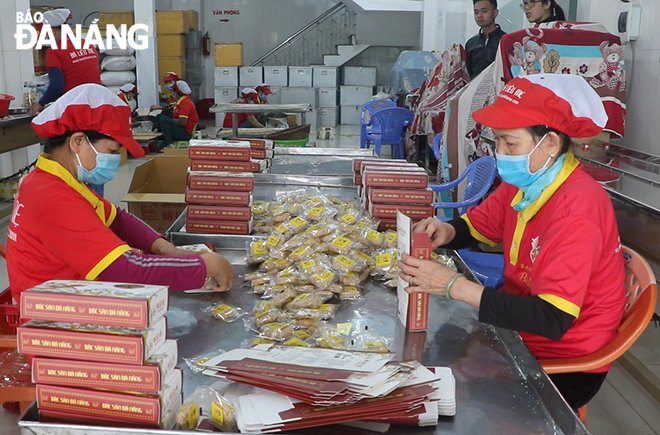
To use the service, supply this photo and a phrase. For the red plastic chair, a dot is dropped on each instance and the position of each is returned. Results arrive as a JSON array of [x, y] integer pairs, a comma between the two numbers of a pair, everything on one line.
[[641, 299]]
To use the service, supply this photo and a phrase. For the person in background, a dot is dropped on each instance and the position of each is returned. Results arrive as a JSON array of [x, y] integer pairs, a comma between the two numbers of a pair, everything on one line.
[[564, 272], [263, 91], [128, 94], [67, 67], [481, 49], [60, 229], [167, 98], [184, 117], [245, 120], [542, 11]]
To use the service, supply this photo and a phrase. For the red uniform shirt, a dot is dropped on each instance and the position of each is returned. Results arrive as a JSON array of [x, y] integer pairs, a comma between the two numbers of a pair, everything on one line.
[[78, 66], [184, 108], [123, 97], [226, 123], [565, 249], [59, 228]]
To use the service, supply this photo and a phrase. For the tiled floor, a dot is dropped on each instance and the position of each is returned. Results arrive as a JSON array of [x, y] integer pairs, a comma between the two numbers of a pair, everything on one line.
[[621, 406]]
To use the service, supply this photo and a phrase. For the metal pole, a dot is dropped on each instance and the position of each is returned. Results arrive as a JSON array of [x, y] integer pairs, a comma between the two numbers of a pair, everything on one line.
[[234, 124]]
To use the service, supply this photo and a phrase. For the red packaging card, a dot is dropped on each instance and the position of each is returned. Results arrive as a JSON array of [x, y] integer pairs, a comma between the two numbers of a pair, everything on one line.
[[357, 163], [89, 342], [72, 301], [218, 212], [218, 227], [221, 181], [212, 149], [396, 180], [228, 166], [255, 144], [401, 196], [210, 197], [261, 154], [388, 211]]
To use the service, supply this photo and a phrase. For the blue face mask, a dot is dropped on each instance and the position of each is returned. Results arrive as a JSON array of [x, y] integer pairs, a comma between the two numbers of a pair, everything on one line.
[[515, 169], [169, 86], [105, 170]]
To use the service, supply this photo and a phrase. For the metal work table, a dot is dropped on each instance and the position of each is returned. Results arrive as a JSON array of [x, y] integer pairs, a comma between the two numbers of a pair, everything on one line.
[[317, 161], [16, 132], [235, 109], [500, 387]]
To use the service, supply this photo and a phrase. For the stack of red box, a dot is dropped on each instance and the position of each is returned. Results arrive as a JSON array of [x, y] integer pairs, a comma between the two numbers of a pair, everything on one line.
[[386, 186], [100, 352], [219, 193]]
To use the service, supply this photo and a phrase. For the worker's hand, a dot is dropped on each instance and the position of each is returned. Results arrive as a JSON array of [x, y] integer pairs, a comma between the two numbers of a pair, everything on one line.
[[219, 271], [155, 107], [439, 232], [35, 108], [424, 275]]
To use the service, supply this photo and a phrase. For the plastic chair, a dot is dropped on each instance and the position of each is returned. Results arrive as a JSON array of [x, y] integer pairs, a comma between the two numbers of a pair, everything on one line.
[[437, 140], [479, 174], [16, 385], [392, 123], [366, 110], [641, 299]]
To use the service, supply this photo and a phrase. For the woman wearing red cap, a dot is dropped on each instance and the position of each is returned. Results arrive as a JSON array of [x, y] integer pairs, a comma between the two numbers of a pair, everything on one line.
[[564, 274], [60, 229], [184, 117], [245, 120]]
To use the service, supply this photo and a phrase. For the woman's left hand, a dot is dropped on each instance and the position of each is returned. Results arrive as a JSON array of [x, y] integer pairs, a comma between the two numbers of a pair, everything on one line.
[[424, 275]]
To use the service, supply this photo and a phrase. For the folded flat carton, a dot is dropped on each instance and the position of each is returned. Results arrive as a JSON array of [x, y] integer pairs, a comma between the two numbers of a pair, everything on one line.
[[157, 191]]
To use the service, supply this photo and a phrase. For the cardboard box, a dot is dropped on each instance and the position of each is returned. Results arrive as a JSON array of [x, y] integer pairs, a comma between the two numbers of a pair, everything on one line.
[[221, 181], [228, 54], [210, 197], [171, 46], [95, 303], [115, 18], [229, 166], [218, 227], [214, 149], [176, 22], [123, 155], [157, 191], [176, 64], [148, 378], [90, 343], [218, 212]]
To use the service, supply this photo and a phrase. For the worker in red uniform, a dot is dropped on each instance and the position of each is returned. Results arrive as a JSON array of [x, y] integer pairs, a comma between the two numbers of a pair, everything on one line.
[[184, 116], [245, 120], [263, 91], [60, 229], [564, 271], [128, 94], [67, 67], [167, 98]]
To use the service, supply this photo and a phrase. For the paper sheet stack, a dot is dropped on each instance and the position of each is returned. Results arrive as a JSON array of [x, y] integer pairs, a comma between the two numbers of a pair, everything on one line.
[[301, 388]]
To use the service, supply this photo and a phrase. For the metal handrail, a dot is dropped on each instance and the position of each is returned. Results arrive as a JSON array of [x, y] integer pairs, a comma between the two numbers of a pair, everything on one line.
[[288, 41]]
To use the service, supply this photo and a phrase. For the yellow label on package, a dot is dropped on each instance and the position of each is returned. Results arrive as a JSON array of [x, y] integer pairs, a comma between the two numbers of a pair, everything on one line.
[[390, 237], [362, 256], [363, 224], [192, 416], [298, 222], [307, 264], [345, 261], [348, 218], [258, 248], [316, 199], [323, 276], [221, 309], [315, 212], [302, 334], [217, 413], [281, 229], [282, 262], [341, 242], [295, 341], [344, 328], [383, 260], [260, 340], [373, 235], [301, 251], [259, 209], [273, 241]]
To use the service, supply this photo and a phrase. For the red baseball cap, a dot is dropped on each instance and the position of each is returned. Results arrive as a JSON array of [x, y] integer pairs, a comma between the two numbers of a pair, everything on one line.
[[265, 88], [170, 77], [563, 102], [89, 107]]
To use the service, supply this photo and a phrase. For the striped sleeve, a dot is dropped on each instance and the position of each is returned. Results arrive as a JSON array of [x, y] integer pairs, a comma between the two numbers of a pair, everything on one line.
[[179, 273]]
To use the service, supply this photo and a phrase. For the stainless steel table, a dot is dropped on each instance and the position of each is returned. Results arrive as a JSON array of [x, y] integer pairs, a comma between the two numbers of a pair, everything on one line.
[[500, 387], [235, 109]]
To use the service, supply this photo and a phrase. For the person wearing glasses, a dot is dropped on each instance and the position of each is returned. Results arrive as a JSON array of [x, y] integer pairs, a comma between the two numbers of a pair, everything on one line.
[[542, 11], [481, 49]]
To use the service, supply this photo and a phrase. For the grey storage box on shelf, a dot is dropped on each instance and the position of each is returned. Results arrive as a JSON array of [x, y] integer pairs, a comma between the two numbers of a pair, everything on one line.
[[226, 76], [360, 75], [327, 97], [328, 116], [276, 75], [251, 76], [324, 76], [293, 95], [350, 114], [224, 94], [352, 95], [300, 76]]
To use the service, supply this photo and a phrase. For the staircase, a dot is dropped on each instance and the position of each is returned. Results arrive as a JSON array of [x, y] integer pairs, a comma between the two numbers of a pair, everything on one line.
[[329, 39]]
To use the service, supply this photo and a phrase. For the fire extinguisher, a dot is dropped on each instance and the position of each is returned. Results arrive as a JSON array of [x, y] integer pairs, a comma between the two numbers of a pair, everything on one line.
[[206, 44]]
